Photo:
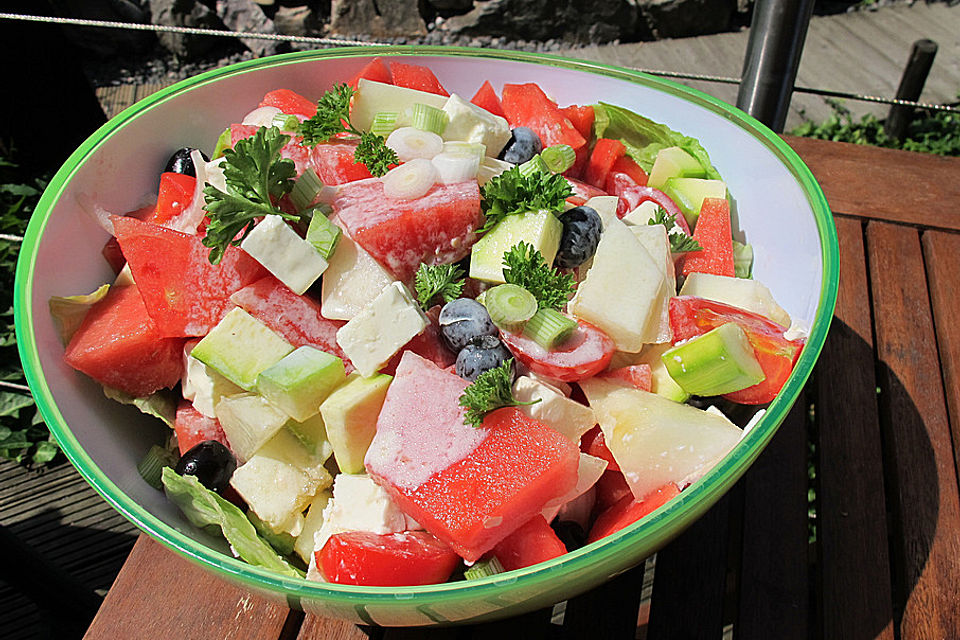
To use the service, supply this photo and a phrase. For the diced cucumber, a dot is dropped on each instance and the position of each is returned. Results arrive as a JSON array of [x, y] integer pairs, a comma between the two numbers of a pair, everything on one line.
[[720, 361], [240, 347], [301, 380], [673, 162], [323, 235], [249, 421], [542, 229], [374, 97], [312, 434], [350, 415], [689, 193]]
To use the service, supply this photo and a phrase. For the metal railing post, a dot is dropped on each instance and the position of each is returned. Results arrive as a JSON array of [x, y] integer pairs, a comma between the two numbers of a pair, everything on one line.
[[777, 32], [911, 86]]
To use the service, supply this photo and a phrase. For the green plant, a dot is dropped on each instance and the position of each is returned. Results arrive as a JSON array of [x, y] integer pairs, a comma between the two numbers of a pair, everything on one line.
[[936, 132], [23, 435]]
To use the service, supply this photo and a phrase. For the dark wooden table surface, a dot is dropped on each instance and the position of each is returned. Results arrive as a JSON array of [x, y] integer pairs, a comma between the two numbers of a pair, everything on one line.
[[866, 546]]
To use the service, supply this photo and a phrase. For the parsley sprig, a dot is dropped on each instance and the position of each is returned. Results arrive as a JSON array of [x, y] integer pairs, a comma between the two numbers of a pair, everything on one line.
[[679, 242], [513, 193], [524, 266], [493, 389], [333, 117], [444, 280], [255, 175]]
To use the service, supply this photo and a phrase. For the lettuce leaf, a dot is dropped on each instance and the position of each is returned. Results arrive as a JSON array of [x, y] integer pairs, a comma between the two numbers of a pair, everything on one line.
[[742, 259], [204, 508], [161, 404], [644, 138], [68, 311]]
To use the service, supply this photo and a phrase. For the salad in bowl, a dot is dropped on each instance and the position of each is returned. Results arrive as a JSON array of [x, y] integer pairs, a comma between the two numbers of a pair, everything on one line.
[[417, 329]]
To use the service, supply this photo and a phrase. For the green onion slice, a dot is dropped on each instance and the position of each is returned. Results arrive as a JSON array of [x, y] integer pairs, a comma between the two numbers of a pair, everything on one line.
[[549, 328], [510, 306]]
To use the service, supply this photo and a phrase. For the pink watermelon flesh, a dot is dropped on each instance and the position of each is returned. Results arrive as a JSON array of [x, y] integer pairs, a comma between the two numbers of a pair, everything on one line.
[[438, 228], [183, 293], [193, 427], [333, 162]]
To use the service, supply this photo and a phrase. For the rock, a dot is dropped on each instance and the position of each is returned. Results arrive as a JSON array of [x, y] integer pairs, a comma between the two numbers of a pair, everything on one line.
[[297, 21], [451, 7], [380, 18], [184, 13], [246, 15], [579, 21], [684, 18], [106, 42]]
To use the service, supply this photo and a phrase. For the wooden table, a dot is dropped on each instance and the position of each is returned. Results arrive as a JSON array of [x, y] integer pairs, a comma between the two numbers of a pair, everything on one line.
[[881, 557]]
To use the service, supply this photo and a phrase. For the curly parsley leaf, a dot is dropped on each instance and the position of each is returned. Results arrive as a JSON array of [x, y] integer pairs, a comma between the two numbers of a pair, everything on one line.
[[493, 389], [524, 266], [444, 280], [333, 118], [513, 193], [255, 174], [679, 242]]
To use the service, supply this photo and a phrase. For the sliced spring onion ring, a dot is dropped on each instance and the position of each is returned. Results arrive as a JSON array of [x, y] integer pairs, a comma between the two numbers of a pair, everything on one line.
[[261, 116], [428, 118], [411, 143], [456, 167], [410, 180], [384, 122]]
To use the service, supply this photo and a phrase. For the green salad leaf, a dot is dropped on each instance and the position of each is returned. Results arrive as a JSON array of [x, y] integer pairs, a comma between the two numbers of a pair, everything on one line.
[[644, 138], [204, 508], [160, 404]]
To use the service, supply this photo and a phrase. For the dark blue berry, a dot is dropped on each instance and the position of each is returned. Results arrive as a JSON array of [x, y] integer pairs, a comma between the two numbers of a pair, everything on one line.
[[581, 235], [482, 354], [524, 143], [181, 162], [463, 320], [211, 462]]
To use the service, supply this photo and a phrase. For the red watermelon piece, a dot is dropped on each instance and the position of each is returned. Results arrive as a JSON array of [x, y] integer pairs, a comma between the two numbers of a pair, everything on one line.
[[438, 228], [290, 102], [183, 293], [333, 162], [526, 105], [193, 427], [533, 542], [296, 318], [486, 98], [604, 154], [581, 118], [414, 76], [175, 194], [628, 510], [293, 150], [375, 70], [118, 345], [713, 233]]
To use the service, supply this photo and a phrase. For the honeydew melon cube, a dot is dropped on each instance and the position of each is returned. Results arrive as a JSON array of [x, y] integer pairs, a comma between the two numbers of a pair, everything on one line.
[[673, 162], [312, 434], [655, 440], [373, 97], [301, 380], [311, 524], [248, 421], [469, 123], [280, 479], [654, 240], [203, 386], [622, 291], [293, 260], [352, 280], [738, 292], [350, 415], [552, 408], [541, 229], [240, 347]]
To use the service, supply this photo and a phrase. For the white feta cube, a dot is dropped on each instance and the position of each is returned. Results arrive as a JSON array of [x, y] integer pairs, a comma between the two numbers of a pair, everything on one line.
[[470, 123], [352, 280], [285, 254], [358, 504], [555, 410]]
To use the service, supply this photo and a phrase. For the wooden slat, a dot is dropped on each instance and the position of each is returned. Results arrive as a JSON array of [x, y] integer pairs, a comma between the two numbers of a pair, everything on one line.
[[774, 575], [917, 436], [914, 188], [851, 507], [529, 626], [688, 590], [942, 253], [160, 595], [317, 628], [609, 611]]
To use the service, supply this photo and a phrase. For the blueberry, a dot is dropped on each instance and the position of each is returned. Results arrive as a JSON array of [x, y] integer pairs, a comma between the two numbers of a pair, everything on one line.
[[481, 354], [524, 143], [211, 462], [181, 162], [581, 235], [463, 320]]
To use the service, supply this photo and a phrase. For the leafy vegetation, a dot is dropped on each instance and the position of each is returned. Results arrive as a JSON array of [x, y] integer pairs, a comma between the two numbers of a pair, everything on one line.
[[23, 435], [936, 132]]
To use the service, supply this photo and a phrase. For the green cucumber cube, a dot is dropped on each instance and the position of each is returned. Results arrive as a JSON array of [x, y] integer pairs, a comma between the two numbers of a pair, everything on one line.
[[350, 415], [301, 380], [249, 421], [689, 194], [312, 434], [323, 235], [240, 347], [673, 162], [720, 361], [542, 229]]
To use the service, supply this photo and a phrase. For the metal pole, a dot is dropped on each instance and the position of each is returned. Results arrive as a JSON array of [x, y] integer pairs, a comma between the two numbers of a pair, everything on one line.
[[911, 86], [777, 32]]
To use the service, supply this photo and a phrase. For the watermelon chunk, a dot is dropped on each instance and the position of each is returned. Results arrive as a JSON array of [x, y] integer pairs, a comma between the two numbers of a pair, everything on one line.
[[333, 162], [183, 293], [713, 234], [486, 98], [605, 153], [629, 510], [533, 542], [526, 105], [386, 560], [296, 318], [438, 228], [193, 427], [175, 194], [375, 70], [290, 102], [581, 118], [414, 76], [118, 345]]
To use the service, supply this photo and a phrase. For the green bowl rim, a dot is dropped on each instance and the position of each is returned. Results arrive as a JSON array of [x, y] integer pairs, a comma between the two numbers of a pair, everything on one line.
[[657, 526]]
